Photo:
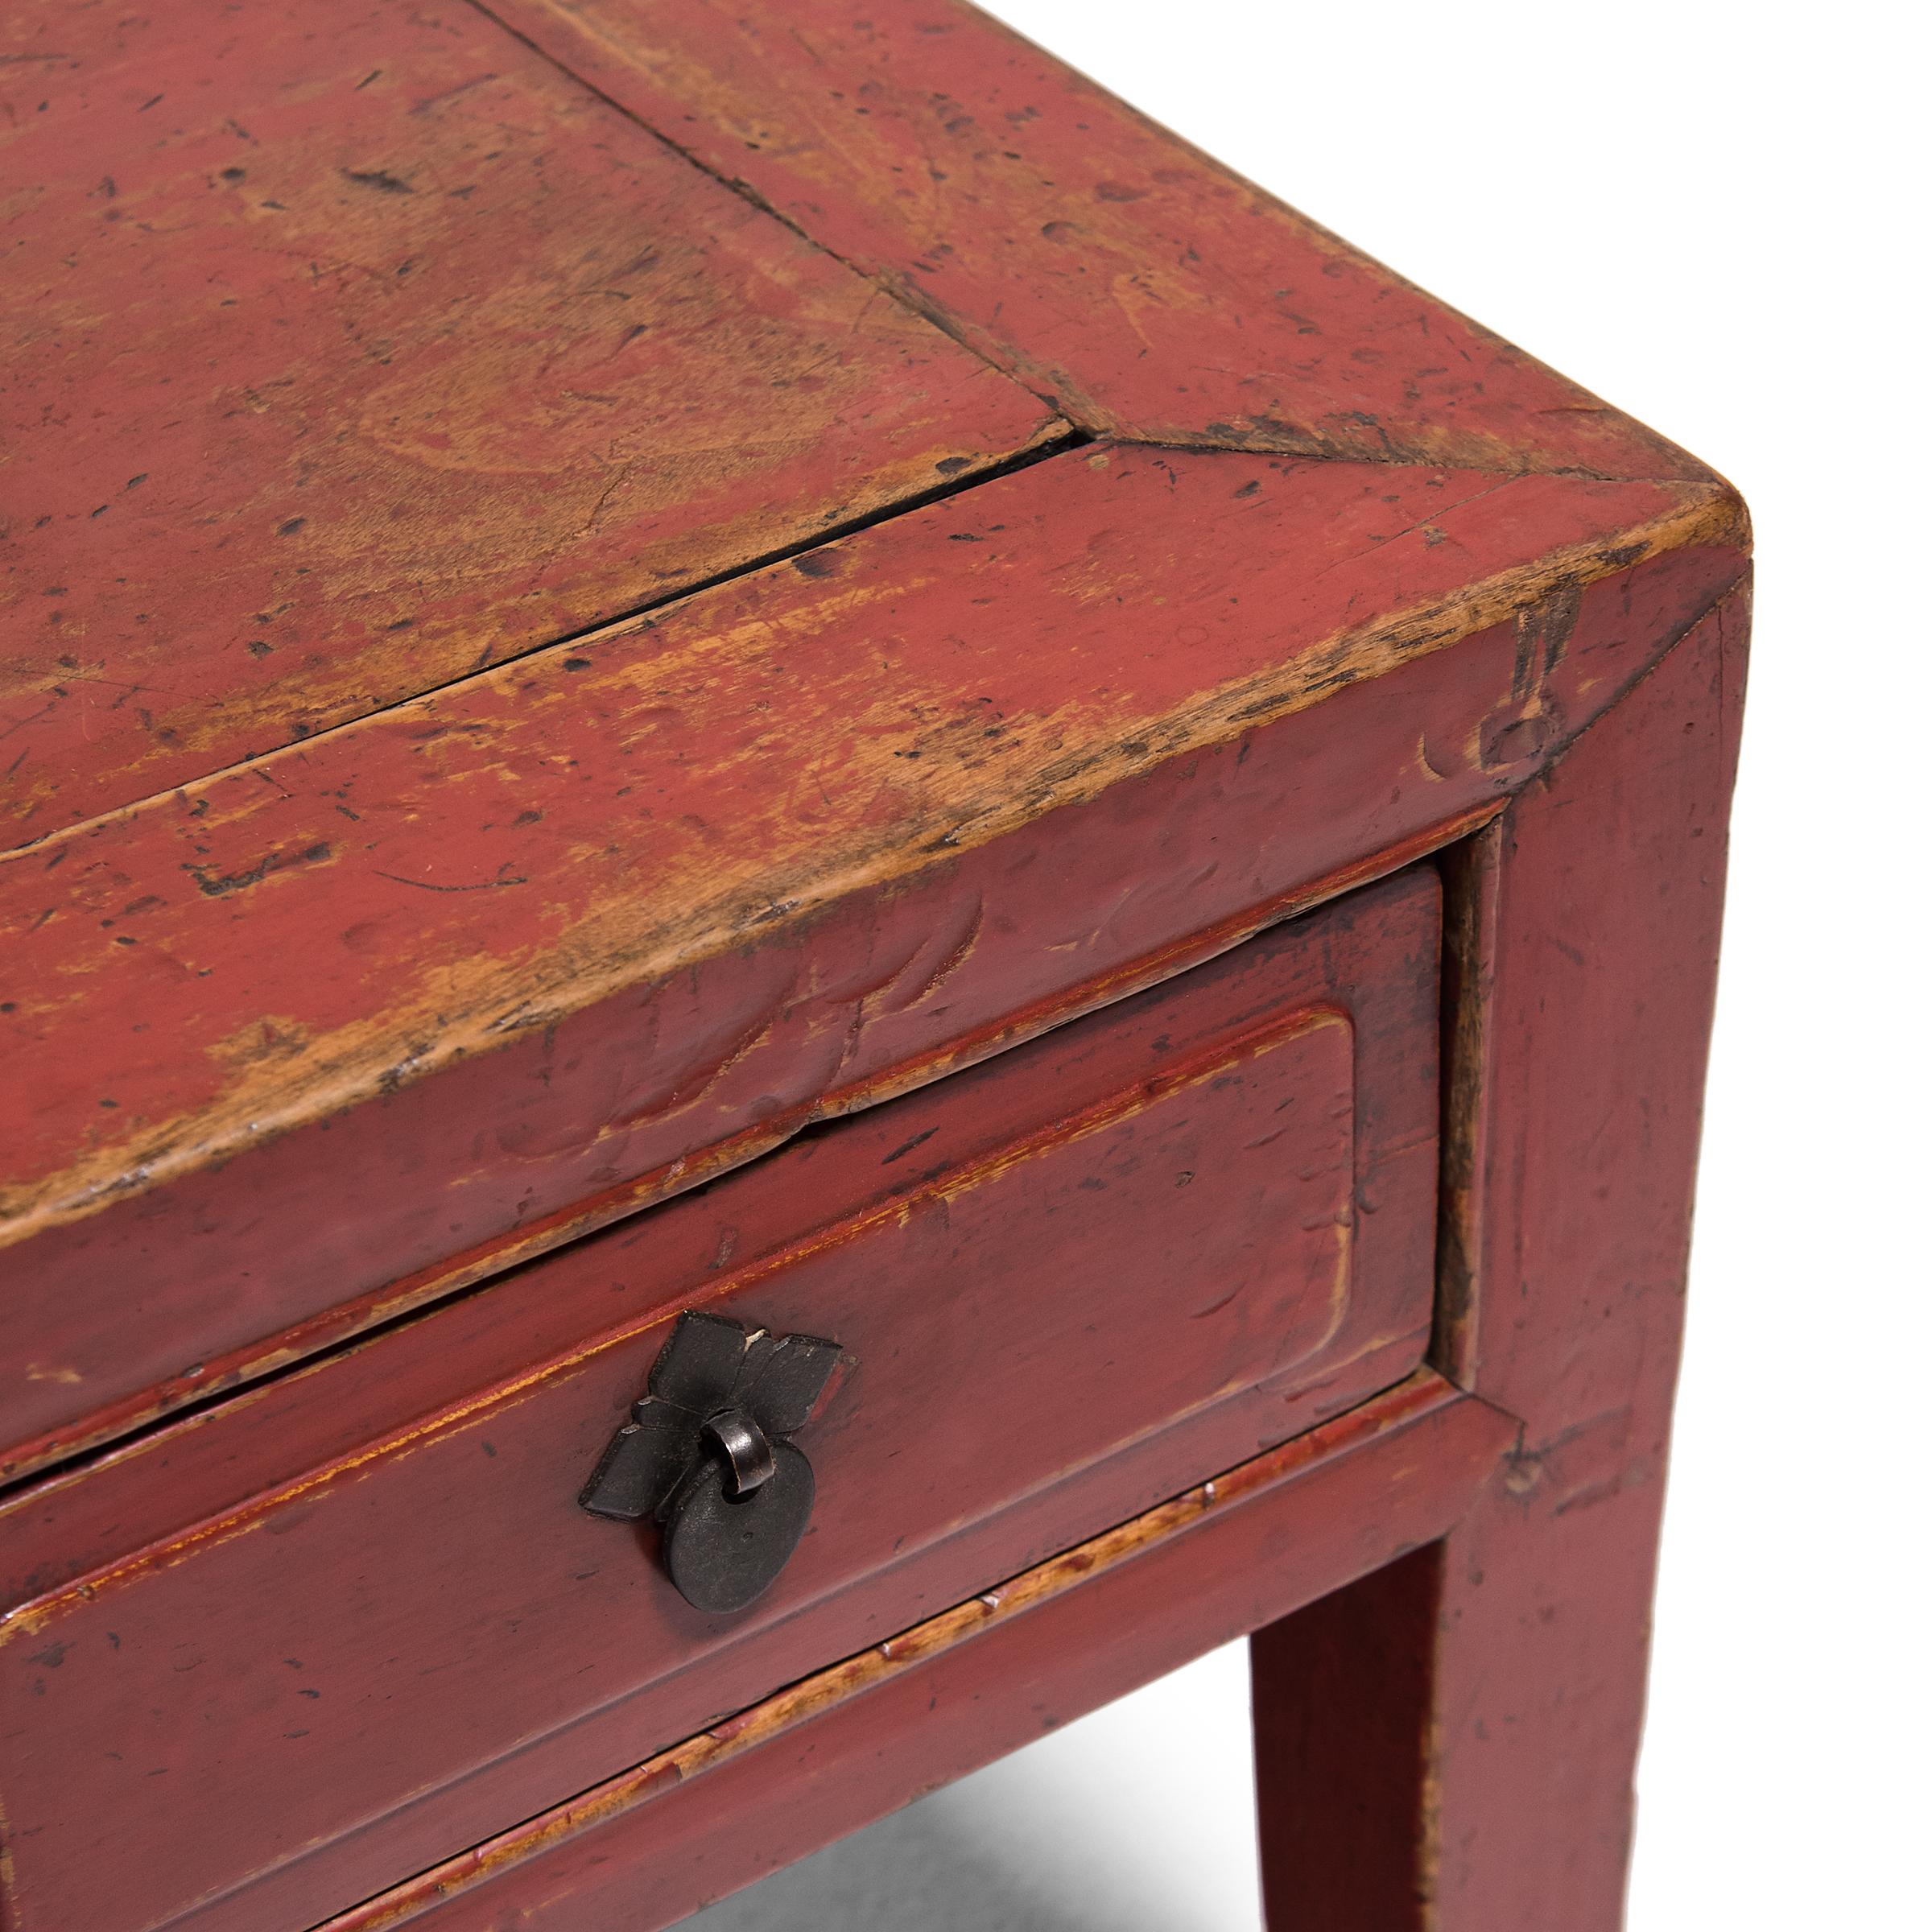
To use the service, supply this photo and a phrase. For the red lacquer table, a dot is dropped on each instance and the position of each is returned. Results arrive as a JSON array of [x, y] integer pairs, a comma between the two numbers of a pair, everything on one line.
[[834, 907]]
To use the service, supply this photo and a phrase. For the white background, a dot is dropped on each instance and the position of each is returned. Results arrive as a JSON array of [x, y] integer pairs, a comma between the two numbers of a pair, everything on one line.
[[1713, 215]]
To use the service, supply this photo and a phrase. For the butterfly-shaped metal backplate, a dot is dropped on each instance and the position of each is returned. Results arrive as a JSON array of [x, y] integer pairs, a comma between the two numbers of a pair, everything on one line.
[[706, 1451]]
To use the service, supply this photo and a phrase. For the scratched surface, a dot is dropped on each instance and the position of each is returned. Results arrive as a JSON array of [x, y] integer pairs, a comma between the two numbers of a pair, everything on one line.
[[871, 1733], [349, 962], [1071, 1277], [352, 348], [1484, 1780], [369, 323], [1146, 290], [743, 833]]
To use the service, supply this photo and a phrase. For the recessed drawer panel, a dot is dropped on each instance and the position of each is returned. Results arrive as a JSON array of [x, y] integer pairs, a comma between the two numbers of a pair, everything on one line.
[[287, 1652]]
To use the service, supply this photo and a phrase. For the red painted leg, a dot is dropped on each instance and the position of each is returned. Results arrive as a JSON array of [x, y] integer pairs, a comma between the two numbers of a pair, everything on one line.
[[1341, 1693], [1448, 1744]]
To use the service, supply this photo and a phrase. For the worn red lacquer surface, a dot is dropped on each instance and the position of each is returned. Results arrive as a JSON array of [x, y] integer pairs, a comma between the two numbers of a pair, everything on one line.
[[1446, 1739], [593, 584], [702, 931], [857, 1741], [354, 349], [1139, 285], [1496, 1756], [1146, 1243]]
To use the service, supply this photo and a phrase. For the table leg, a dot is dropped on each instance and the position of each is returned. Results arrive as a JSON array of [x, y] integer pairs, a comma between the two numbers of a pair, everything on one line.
[[1448, 1744]]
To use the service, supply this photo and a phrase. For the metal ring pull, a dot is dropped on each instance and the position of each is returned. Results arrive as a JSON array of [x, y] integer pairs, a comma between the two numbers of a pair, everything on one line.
[[707, 1451], [745, 1449]]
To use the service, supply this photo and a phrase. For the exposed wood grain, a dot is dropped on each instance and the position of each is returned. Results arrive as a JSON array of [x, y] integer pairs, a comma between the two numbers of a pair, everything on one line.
[[705, 931], [1370, 956], [1596, 937], [864, 1736], [351, 350], [372, 942], [1144, 1245], [1137, 285], [1608, 911]]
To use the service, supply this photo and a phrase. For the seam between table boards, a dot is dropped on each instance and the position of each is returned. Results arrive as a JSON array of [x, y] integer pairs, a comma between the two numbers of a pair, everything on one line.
[[1060, 438], [1699, 514], [1091, 418]]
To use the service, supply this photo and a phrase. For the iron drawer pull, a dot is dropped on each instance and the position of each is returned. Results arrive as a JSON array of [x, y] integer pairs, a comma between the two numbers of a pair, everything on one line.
[[707, 1453], [744, 1448]]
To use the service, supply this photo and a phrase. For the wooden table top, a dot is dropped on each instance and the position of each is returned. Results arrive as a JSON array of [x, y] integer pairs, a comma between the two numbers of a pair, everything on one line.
[[503, 505]]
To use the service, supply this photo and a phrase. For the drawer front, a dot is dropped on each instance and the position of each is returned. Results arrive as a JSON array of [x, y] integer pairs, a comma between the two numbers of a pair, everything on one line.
[[344, 1625]]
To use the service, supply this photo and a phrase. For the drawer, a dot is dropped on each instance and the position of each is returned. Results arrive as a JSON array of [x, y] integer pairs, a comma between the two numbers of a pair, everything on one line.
[[283, 1652]]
